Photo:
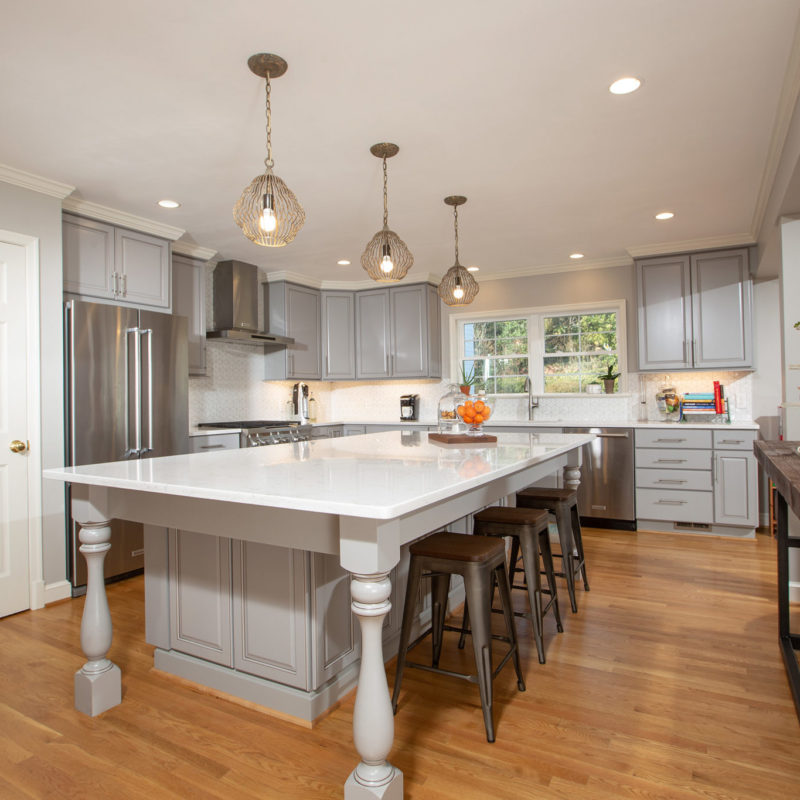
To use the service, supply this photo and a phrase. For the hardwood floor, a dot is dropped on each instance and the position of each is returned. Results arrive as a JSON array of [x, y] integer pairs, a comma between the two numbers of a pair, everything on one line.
[[668, 683]]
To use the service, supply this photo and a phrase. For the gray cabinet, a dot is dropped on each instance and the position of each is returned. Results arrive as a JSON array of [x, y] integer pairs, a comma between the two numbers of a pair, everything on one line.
[[735, 476], [695, 311], [338, 336], [398, 332], [326, 431], [106, 262], [189, 300], [293, 310], [203, 443]]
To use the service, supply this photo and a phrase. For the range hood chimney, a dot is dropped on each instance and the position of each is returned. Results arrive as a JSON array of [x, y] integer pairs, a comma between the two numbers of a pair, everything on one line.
[[236, 307]]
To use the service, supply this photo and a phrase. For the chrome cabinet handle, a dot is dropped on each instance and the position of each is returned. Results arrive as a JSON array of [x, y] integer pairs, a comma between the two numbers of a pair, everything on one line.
[[694, 348], [115, 284], [212, 446], [731, 441], [668, 480], [124, 285], [670, 461], [387, 364], [685, 360], [612, 435], [671, 502], [671, 440]]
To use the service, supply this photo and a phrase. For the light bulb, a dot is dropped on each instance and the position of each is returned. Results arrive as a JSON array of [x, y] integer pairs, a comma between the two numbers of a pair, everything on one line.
[[458, 292], [268, 221], [386, 264]]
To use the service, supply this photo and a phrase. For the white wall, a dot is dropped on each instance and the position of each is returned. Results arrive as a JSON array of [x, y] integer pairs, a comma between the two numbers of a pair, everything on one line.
[[34, 214]]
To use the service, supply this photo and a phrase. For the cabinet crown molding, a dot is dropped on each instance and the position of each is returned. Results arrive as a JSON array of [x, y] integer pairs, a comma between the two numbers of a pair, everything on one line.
[[36, 183], [692, 245], [84, 208]]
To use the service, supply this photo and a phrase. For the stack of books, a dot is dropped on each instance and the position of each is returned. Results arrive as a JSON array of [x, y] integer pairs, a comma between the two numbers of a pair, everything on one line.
[[705, 403]]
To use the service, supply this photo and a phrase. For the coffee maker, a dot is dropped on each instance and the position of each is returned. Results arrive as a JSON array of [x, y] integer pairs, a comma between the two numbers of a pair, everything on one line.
[[408, 407]]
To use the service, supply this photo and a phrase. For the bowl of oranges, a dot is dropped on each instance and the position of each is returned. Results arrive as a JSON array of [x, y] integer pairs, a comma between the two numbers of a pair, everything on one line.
[[474, 413]]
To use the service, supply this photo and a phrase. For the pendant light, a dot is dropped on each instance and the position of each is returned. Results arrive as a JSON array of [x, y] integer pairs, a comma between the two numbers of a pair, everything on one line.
[[386, 258], [268, 212], [458, 287]]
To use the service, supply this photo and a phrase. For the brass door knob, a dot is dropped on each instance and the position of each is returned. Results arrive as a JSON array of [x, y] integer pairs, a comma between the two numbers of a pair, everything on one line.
[[17, 446]]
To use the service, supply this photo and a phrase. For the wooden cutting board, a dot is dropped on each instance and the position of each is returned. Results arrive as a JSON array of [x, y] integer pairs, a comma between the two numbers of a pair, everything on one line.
[[461, 438]]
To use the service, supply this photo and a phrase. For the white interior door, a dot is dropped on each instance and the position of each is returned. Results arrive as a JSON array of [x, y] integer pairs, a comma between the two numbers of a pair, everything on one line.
[[14, 574]]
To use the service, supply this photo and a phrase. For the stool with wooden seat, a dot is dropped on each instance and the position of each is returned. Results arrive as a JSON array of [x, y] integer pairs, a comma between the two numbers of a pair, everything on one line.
[[481, 561], [563, 503], [528, 529]]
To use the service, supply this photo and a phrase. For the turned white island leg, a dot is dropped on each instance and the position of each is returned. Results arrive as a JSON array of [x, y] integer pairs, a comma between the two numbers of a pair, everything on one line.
[[373, 721], [98, 683]]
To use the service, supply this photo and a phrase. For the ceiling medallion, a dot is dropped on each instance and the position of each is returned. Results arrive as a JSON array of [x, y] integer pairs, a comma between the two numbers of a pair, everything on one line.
[[458, 287], [386, 258], [268, 212]]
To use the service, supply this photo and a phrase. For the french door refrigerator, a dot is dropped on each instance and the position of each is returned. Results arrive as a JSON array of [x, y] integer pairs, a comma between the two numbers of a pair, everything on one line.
[[127, 398]]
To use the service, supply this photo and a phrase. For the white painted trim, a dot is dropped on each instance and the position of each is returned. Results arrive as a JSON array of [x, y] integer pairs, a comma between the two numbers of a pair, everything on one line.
[[794, 591], [105, 214], [349, 286], [35, 183], [692, 245], [191, 250], [536, 352], [34, 412], [549, 269], [790, 89], [59, 590]]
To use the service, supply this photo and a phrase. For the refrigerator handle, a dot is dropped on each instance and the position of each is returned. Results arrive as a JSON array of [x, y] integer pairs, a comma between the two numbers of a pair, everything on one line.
[[148, 332], [137, 394]]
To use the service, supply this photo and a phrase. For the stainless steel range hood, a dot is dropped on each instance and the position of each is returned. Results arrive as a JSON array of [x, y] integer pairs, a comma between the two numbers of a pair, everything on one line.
[[236, 307]]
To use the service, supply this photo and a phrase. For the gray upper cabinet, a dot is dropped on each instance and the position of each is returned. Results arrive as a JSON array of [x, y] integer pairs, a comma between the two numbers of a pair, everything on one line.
[[398, 332], [292, 310], [338, 336], [112, 263], [189, 300], [695, 311]]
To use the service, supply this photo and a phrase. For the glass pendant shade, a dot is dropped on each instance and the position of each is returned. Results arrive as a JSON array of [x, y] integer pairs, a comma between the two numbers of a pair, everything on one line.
[[386, 258], [268, 211], [458, 287], [288, 215], [457, 281]]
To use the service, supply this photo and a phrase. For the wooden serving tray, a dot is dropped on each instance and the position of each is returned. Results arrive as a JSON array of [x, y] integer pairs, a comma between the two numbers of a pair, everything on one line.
[[461, 438]]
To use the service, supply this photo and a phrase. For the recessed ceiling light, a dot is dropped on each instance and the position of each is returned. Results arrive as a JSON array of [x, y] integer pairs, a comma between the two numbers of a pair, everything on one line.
[[169, 203], [665, 215], [343, 262], [576, 255], [625, 86], [472, 269]]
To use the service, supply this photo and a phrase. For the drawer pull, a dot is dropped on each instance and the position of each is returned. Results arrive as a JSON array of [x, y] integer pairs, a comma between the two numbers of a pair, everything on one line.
[[211, 446], [732, 441], [671, 502], [612, 435], [668, 480], [670, 461], [671, 440]]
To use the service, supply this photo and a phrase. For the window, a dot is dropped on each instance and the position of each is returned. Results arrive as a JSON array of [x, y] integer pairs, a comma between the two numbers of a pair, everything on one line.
[[563, 350]]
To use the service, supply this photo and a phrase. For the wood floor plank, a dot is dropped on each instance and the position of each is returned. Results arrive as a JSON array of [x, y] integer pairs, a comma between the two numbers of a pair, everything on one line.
[[667, 685]]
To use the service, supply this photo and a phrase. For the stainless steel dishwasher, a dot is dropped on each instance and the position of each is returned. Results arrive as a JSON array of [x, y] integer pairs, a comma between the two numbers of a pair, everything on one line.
[[606, 496]]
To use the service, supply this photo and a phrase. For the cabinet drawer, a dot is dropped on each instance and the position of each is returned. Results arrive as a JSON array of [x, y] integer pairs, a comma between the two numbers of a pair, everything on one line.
[[734, 440], [672, 437], [675, 505], [673, 459], [218, 441], [695, 479]]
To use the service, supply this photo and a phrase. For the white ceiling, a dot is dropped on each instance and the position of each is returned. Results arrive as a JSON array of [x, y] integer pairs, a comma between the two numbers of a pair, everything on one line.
[[506, 103]]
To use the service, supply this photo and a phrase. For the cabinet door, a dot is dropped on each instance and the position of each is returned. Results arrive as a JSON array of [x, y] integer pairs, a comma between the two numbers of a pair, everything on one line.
[[144, 266], [88, 257], [721, 310], [735, 495], [434, 333], [334, 628], [338, 336], [664, 300], [372, 334], [302, 324], [269, 612], [409, 331], [189, 300], [200, 596]]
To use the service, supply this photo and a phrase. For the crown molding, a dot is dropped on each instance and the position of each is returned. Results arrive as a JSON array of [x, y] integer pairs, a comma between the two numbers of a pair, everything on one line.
[[105, 214], [790, 90], [550, 269], [690, 245], [350, 286], [35, 183], [191, 250]]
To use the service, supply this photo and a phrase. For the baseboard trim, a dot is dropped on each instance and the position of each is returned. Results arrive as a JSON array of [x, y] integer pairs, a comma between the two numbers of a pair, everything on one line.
[[794, 591], [58, 590]]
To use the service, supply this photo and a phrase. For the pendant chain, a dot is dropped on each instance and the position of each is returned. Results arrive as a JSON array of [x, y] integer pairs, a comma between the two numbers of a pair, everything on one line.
[[268, 162]]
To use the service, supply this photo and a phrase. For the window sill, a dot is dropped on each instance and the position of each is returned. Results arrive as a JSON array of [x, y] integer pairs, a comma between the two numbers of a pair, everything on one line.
[[555, 395]]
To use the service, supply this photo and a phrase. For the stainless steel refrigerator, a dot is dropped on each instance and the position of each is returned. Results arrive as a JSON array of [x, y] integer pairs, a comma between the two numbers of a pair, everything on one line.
[[127, 398]]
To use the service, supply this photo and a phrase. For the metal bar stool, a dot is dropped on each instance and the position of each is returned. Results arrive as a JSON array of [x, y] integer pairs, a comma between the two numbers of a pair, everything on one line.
[[481, 561], [563, 503], [527, 528]]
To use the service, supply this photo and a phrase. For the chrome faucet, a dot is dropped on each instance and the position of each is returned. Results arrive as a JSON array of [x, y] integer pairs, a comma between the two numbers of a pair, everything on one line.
[[533, 402]]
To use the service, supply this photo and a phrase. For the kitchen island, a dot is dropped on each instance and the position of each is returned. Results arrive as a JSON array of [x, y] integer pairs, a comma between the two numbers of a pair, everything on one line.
[[358, 498]]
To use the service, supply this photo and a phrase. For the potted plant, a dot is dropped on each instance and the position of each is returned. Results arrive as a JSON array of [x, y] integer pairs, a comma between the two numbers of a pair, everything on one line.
[[609, 377], [467, 379]]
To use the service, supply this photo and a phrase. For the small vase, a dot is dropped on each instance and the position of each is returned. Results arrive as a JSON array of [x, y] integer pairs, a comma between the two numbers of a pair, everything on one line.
[[609, 385], [465, 389]]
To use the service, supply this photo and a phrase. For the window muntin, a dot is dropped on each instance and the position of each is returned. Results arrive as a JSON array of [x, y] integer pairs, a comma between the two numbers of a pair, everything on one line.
[[497, 352]]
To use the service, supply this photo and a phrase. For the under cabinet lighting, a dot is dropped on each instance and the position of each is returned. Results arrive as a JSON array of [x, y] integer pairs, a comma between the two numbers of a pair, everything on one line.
[[169, 203]]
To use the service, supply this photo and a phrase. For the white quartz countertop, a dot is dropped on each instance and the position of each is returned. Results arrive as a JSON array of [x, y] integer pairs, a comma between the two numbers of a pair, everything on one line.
[[380, 475], [558, 423]]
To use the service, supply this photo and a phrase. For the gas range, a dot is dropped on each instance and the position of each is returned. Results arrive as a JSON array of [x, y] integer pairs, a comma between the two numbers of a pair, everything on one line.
[[260, 432]]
